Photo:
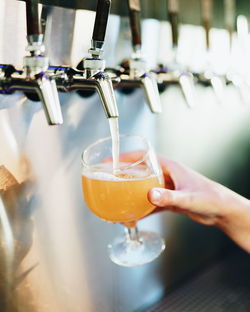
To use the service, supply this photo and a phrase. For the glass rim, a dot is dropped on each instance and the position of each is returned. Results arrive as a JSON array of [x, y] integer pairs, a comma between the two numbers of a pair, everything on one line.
[[135, 163]]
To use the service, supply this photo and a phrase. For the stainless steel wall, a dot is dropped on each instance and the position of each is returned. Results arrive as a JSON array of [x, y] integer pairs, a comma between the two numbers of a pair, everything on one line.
[[190, 10], [53, 255]]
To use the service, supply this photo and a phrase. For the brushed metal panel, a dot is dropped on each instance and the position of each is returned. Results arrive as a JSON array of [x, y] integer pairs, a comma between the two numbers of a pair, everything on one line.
[[53, 250], [189, 10]]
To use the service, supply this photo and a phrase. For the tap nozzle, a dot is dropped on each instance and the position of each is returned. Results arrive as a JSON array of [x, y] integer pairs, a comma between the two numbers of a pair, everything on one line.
[[106, 92], [134, 74], [186, 81], [36, 64], [93, 76], [149, 83], [47, 91], [94, 69], [90, 79], [34, 67]]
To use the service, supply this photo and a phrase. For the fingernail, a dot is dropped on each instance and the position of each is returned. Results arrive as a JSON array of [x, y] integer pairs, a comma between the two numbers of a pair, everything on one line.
[[155, 195]]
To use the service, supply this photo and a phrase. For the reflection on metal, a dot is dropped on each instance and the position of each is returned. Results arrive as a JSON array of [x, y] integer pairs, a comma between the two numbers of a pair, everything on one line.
[[219, 87], [59, 247], [187, 87], [60, 258], [242, 28], [7, 241], [149, 85]]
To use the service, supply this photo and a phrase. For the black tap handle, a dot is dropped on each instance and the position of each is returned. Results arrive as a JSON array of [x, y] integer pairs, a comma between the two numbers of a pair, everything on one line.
[[32, 18], [46, 11], [101, 20], [206, 18], [173, 16], [135, 21]]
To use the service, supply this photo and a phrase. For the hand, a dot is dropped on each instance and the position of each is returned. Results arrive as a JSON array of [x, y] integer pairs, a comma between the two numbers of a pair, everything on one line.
[[204, 201]]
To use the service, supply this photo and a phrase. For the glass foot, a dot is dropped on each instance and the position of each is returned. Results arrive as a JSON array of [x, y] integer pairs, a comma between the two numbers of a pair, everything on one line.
[[131, 253]]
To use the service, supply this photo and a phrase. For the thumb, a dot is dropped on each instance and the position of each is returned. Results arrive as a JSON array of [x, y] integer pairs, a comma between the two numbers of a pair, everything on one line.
[[163, 197]]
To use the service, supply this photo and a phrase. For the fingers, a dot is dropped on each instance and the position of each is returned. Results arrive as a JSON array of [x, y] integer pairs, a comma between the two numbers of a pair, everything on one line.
[[165, 198]]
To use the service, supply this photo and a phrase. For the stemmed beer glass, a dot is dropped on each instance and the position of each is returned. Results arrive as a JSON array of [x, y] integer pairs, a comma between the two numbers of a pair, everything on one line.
[[121, 195]]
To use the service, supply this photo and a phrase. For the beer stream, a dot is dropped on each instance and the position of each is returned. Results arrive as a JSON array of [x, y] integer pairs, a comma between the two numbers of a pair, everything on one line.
[[114, 130]]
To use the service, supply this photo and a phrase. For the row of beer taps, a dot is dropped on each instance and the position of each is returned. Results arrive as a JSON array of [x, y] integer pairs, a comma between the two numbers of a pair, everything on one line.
[[40, 80]]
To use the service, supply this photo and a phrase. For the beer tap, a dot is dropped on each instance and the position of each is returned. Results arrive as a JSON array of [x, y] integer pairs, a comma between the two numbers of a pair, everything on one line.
[[33, 77], [174, 73], [229, 17], [208, 77], [89, 76], [232, 73], [240, 74], [133, 72]]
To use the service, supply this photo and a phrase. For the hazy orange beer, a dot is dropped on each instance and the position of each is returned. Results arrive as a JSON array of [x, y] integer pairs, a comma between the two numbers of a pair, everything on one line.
[[120, 197]]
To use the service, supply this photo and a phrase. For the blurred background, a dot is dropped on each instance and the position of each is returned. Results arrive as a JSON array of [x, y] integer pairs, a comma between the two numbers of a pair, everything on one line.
[[53, 254]]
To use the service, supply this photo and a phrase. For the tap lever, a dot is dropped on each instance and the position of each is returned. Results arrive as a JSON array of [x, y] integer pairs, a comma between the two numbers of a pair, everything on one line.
[[34, 33], [32, 18], [173, 16], [46, 11], [151, 91], [101, 21], [135, 24], [207, 16]]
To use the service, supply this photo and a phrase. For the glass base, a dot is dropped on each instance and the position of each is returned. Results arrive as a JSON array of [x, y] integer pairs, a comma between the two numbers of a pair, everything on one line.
[[131, 253]]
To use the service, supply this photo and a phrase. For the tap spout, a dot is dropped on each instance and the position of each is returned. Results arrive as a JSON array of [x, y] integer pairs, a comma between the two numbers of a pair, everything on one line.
[[47, 92], [36, 64], [105, 90], [149, 84], [101, 82], [44, 86]]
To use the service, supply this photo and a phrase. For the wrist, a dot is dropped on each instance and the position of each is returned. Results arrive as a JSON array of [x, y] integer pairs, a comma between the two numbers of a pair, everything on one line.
[[235, 218]]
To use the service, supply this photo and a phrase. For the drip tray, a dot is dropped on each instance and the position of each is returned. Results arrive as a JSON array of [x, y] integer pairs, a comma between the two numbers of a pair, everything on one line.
[[224, 286]]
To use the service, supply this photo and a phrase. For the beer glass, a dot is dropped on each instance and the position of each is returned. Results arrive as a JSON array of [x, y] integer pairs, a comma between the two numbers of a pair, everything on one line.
[[121, 195]]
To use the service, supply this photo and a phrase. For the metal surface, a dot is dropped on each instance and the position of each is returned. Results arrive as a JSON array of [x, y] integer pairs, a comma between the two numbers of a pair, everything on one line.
[[53, 255], [223, 286], [189, 10], [53, 250]]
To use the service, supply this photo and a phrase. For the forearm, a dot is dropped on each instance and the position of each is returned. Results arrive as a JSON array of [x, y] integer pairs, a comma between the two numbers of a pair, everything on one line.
[[204, 201], [235, 219]]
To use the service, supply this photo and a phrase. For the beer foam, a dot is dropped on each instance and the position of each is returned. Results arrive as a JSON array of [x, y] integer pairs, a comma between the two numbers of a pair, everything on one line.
[[104, 171], [99, 175]]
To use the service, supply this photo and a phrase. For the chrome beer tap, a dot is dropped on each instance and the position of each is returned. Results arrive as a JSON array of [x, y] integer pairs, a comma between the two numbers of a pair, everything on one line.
[[208, 77], [238, 71], [32, 79], [94, 66], [232, 73], [89, 76], [229, 18], [174, 73], [133, 72]]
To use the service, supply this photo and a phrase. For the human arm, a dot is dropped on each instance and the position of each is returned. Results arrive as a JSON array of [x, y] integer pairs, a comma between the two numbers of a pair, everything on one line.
[[203, 200]]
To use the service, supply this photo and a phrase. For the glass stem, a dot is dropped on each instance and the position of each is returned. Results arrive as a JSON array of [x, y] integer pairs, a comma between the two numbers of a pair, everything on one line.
[[132, 235]]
